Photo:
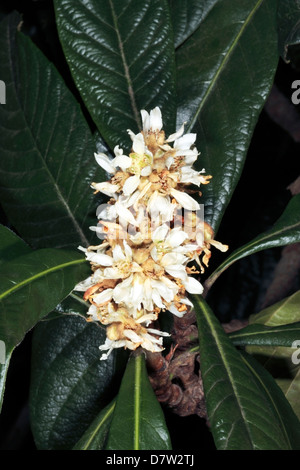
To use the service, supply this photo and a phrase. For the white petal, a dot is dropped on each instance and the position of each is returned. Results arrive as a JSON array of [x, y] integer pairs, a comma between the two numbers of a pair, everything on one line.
[[177, 134], [138, 145], [99, 258], [124, 213], [113, 273], [178, 272], [155, 119], [131, 184], [104, 296], [84, 285], [193, 286], [160, 233], [118, 254], [145, 120], [176, 237], [128, 250], [132, 336], [105, 162], [185, 200], [185, 141], [153, 253], [146, 171], [122, 161], [106, 188], [176, 312], [118, 151], [172, 259], [169, 162]]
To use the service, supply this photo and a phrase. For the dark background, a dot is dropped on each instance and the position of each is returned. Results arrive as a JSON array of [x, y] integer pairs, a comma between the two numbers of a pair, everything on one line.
[[260, 197]]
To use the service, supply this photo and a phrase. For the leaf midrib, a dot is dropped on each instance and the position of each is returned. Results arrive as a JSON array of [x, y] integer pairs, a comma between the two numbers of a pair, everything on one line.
[[94, 433], [39, 152], [271, 400], [137, 402], [228, 371], [37, 276], [222, 65], [126, 68]]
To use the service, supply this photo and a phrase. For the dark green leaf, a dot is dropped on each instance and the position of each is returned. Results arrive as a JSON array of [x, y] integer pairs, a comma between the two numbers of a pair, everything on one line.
[[11, 246], [262, 335], [121, 55], [138, 422], [186, 16], [290, 424], [69, 383], [288, 26], [278, 360], [285, 231], [95, 436], [224, 77], [47, 161], [32, 285], [284, 312], [241, 415]]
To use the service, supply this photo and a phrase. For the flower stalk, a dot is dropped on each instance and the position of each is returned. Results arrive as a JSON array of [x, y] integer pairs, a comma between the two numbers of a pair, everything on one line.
[[154, 238]]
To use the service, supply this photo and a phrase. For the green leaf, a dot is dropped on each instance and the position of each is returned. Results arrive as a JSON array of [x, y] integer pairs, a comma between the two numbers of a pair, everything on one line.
[[278, 360], [95, 436], [262, 335], [290, 424], [285, 231], [138, 422], [288, 27], [241, 414], [32, 285], [121, 56], [186, 16], [224, 76], [47, 161], [69, 383], [11, 246], [284, 312]]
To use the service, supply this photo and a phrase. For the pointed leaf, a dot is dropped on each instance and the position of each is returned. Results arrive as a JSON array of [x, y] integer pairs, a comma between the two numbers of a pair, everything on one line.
[[284, 312], [138, 422], [32, 285], [262, 335], [95, 436], [69, 383], [224, 77], [285, 231], [278, 360], [122, 59], [186, 16], [240, 413], [290, 424], [47, 161]]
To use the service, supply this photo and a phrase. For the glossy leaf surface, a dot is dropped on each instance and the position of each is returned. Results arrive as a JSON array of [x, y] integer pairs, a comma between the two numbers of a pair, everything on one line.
[[223, 83], [138, 422], [122, 59], [47, 161], [240, 413]]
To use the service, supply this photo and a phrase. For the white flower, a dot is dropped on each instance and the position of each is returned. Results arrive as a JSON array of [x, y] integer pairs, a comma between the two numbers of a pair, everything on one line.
[[153, 121], [133, 340]]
